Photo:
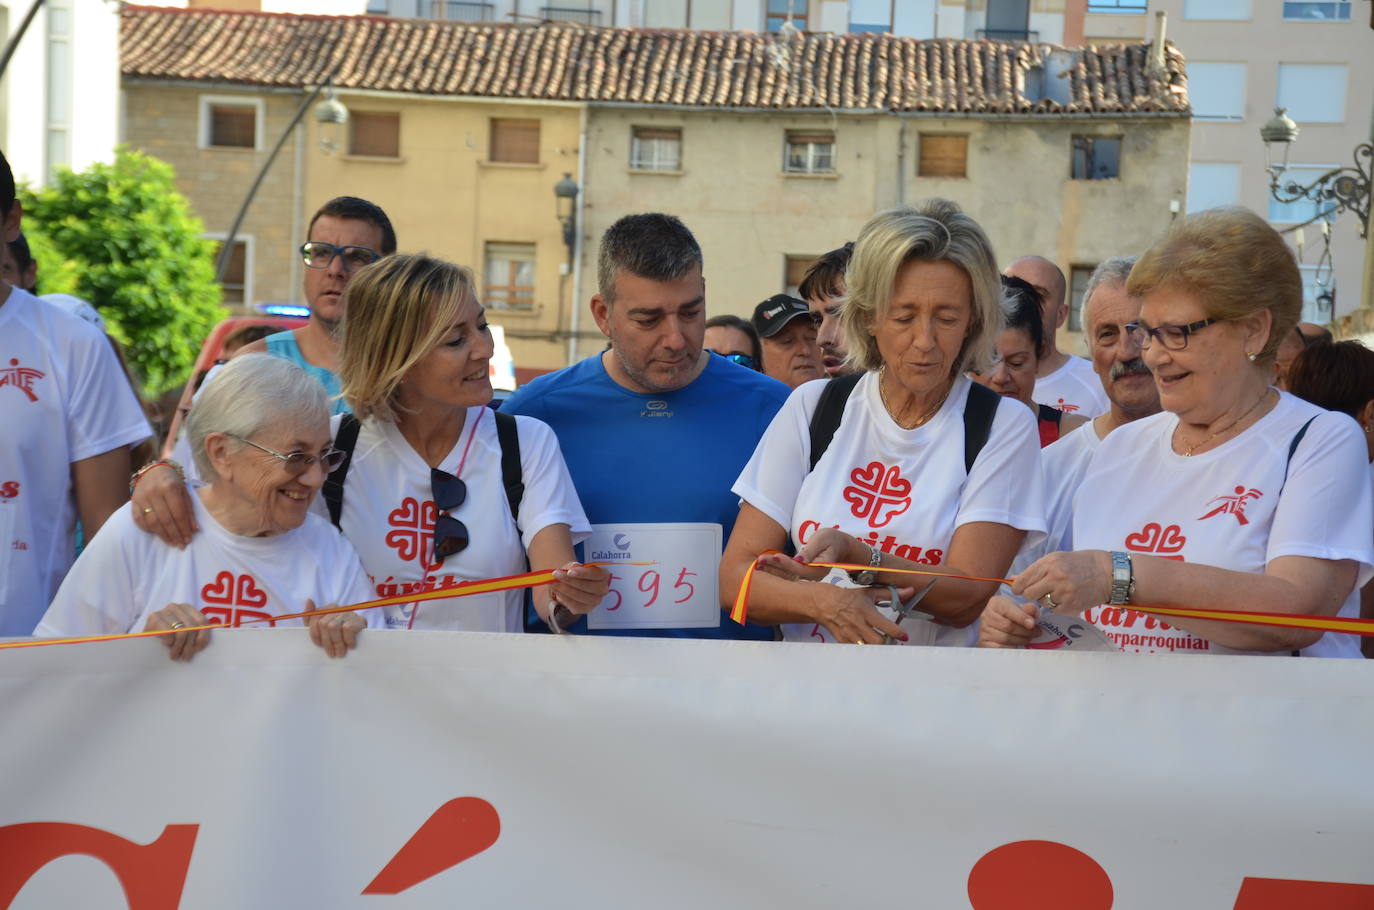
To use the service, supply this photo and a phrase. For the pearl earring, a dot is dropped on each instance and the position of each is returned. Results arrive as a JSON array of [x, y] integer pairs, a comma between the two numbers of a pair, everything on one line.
[[1252, 357]]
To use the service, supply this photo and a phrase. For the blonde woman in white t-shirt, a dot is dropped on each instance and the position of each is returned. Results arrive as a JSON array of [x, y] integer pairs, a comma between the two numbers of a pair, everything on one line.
[[260, 436], [1237, 496], [893, 489], [423, 498]]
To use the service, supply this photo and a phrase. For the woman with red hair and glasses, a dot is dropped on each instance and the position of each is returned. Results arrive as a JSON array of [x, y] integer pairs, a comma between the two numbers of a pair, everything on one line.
[[1237, 496]]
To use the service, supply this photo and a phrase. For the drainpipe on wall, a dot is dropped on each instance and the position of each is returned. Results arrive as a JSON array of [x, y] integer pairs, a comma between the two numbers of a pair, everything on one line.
[[901, 159], [297, 200], [579, 213]]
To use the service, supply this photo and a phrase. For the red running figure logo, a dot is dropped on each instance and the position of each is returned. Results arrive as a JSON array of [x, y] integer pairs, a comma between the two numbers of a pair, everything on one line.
[[22, 378], [1233, 505], [879, 494], [233, 593], [1158, 541]]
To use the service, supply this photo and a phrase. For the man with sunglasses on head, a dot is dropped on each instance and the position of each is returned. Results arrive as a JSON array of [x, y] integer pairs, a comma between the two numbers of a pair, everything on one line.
[[346, 234], [654, 431]]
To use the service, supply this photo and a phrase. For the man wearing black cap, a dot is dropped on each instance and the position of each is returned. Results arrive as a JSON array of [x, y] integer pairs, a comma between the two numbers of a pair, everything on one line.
[[787, 331]]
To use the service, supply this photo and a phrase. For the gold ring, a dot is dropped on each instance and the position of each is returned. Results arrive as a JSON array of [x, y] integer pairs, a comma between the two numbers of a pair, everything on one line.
[[1049, 602], [858, 641], [148, 511], [178, 625]]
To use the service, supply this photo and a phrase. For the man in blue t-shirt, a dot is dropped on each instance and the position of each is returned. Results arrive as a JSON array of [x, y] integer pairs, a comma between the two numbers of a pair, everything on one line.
[[655, 430]]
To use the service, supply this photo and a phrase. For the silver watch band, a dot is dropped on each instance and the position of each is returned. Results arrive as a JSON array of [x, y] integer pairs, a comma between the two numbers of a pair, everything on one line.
[[1123, 577], [870, 575]]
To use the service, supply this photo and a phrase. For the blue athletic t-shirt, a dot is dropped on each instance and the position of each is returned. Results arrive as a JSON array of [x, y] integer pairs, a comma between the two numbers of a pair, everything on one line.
[[283, 345], [669, 457]]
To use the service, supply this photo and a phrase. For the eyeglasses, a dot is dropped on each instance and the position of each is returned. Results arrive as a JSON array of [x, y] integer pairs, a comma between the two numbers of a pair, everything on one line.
[[450, 534], [299, 462], [743, 360], [317, 255], [1173, 337]]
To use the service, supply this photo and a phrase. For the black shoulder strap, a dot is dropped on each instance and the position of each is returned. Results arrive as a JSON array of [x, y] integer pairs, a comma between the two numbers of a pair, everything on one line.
[[829, 409], [512, 475], [979, 412], [1293, 447], [345, 440]]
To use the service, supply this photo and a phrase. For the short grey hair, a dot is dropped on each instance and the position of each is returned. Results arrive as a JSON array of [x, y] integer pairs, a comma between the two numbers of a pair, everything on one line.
[[937, 230], [247, 394], [1113, 272], [654, 246]]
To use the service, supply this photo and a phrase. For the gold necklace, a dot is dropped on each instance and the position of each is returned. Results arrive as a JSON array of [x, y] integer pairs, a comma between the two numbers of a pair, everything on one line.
[[1189, 450], [920, 421]]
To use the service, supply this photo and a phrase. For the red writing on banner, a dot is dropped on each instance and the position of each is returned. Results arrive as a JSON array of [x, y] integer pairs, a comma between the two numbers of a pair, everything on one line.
[[152, 875], [1025, 875]]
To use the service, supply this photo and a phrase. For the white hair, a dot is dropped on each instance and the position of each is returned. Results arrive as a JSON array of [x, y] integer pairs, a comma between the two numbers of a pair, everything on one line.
[[247, 394], [1112, 272]]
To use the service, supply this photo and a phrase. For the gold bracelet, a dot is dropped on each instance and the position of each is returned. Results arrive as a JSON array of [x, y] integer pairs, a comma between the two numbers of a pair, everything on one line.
[[138, 475]]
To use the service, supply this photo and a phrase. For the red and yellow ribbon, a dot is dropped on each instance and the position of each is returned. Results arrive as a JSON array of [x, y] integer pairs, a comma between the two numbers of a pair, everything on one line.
[[462, 589], [1289, 620]]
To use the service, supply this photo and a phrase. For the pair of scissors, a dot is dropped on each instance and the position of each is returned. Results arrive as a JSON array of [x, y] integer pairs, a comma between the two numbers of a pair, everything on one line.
[[906, 609]]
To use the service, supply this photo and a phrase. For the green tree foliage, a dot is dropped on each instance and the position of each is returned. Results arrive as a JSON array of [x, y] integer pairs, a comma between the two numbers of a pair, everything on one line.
[[122, 237]]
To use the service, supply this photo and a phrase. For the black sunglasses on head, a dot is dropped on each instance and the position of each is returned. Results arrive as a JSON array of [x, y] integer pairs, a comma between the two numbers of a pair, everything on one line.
[[450, 534]]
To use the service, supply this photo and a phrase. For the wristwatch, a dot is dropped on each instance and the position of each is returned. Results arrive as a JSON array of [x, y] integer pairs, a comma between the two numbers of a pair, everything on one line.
[[1123, 578], [869, 575]]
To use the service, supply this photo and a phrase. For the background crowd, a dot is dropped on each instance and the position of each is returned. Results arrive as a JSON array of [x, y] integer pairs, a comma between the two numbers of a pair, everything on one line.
[[910, 411]]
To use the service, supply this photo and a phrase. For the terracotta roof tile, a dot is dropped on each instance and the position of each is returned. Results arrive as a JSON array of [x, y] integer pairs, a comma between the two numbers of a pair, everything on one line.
[[560, 61]]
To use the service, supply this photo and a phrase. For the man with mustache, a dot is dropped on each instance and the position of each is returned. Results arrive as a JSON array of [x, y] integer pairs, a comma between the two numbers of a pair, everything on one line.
[[1130, 388]]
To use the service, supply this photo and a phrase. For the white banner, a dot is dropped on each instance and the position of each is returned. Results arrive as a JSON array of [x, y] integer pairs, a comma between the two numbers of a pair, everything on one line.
[[443, 770]]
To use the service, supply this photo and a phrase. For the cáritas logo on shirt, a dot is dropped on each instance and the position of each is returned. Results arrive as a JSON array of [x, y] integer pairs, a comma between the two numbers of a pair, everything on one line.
[[877, 493], [889, 544], [237, 599]]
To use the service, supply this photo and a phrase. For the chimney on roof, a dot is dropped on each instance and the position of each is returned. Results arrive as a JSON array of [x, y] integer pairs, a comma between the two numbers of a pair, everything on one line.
[[1161, 26]]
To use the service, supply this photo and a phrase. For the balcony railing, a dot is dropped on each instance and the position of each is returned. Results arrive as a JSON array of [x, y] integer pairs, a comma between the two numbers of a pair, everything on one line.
[[1008, 34], [456, 11], [1116, 6], [571, 14]]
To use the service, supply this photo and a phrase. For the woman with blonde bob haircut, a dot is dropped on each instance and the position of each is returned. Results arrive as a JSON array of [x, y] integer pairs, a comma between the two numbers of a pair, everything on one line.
[[422, 496], [1237, 496], [924, 469]]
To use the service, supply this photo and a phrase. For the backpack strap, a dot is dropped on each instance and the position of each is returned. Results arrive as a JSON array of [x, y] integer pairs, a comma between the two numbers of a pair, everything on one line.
[[345, 441], [512, 475], [979, 412], [825, 420], [1293, 447]]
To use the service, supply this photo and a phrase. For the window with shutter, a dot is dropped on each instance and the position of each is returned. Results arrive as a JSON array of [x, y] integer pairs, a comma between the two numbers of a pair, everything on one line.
[[809, 152], [515, 141], [656, 149], [233, 126], [374, 134], [794, 270], [943, 156], [509, 276]]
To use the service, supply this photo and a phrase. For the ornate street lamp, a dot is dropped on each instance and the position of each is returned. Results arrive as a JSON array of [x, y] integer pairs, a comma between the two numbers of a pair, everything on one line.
[[1344, 187], [565, 193]]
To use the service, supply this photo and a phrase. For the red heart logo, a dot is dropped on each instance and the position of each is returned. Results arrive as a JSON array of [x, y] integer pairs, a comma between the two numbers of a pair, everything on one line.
[[249, 594], [221, 591], [406, 516], [1146, 539], [1172, 540]]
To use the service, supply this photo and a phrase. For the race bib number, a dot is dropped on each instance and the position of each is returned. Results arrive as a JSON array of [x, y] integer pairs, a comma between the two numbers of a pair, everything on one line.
[[681, 590]]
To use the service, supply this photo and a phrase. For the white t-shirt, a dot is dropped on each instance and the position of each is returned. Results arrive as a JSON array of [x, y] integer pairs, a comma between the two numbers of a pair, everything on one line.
[[389, 516], [124, 575], [1073, 388], [1229, 508], [902, 491], [63, 398], [1065, 461]]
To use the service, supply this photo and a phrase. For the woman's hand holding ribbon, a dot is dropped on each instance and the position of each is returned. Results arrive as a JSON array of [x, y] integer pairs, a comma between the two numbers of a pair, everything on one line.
[[1068, 582]]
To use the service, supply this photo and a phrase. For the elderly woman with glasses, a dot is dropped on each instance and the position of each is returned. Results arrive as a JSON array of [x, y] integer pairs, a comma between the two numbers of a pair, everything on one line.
[[260, 435], [1237, 496], [430, 496], [922, 468]]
